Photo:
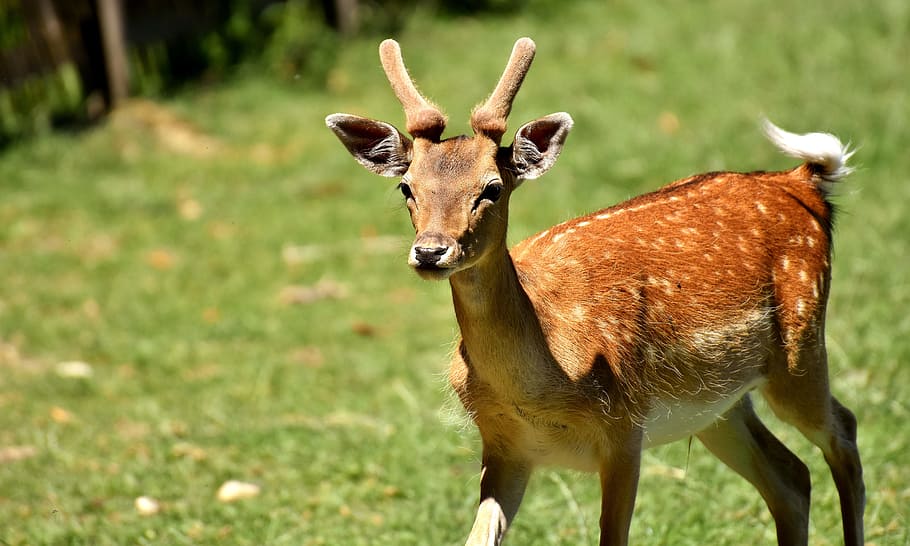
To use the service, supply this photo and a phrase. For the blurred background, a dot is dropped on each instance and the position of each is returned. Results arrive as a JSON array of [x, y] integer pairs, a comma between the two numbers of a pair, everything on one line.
[[208, 330], [68, 62]]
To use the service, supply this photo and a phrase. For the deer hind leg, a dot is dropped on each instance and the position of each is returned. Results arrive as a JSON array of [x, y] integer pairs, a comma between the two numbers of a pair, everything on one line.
[[801, 397], [742, 442], [502, 486]]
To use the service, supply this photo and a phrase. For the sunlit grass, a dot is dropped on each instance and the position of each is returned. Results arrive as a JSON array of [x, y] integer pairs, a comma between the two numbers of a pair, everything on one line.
[[238, 284]]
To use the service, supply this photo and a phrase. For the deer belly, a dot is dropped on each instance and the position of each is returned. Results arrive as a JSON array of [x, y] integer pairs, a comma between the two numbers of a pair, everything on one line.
[[550, 440], [671, 420]]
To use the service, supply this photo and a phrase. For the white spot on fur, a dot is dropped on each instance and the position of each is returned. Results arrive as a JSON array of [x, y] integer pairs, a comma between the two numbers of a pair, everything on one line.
[[803, 276], [800, 307], [584, 223], [558, 236], [540, 236], [785, 263], [579, 312], [761, 207], [814, 290], [810, 241]]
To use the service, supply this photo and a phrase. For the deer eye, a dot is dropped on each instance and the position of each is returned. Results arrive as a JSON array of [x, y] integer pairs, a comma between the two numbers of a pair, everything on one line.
[[406, 191], [490, 193]]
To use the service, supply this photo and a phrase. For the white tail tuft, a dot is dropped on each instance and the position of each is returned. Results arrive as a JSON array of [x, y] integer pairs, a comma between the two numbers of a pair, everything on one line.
[[823, 150]]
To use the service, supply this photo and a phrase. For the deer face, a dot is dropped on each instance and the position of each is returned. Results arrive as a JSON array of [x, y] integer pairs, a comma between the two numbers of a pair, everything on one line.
[[456, 190]]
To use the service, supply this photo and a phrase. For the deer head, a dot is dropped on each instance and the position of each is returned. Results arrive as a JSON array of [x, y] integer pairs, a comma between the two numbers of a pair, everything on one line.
[[457, 190]]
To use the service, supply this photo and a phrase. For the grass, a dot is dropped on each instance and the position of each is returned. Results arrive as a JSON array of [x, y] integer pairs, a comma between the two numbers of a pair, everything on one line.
[[238, 284]]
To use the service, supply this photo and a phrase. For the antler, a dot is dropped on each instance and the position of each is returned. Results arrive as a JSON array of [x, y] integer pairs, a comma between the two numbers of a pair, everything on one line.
[[489, 118], [424, 119]]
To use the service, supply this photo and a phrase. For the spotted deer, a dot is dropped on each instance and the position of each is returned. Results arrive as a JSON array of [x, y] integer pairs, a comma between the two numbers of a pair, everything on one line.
[[640, 324]]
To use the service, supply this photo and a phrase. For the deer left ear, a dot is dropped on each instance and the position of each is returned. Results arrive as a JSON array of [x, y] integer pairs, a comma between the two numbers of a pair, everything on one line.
[[538, 143], [376, 145]]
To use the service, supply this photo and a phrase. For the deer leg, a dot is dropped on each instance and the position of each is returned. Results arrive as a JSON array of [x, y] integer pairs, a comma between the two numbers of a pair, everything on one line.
[[619, 484], [804, 400], [502, 486], [742, 442]]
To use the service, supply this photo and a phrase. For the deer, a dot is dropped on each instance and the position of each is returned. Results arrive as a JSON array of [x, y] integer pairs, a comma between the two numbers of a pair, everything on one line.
[[647, 322]]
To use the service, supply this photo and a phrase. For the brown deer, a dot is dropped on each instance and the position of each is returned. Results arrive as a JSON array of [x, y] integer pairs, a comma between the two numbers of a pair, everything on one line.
[[640, 324]]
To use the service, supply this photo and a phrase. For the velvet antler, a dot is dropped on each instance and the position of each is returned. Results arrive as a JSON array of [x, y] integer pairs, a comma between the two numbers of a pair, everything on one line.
[[424, 119], [490, 117]]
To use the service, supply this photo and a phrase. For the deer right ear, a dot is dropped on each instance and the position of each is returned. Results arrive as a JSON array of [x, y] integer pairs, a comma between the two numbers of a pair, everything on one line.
[[376, 145]]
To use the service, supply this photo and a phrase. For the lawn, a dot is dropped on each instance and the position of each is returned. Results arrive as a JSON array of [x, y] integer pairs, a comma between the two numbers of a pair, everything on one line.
[[236, 286]]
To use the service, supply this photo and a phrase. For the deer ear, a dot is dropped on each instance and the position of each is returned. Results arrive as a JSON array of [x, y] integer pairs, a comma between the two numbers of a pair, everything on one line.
[[538, 143], [376, 145]]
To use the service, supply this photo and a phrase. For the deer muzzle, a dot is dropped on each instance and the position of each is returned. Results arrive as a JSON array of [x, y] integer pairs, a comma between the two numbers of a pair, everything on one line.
[[435, 255]]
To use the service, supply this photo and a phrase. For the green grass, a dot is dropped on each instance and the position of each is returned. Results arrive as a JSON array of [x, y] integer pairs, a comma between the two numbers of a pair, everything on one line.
[[159, 249]]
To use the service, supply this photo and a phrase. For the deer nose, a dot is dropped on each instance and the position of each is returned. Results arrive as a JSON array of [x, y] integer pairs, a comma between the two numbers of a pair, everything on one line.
[[429, 255]]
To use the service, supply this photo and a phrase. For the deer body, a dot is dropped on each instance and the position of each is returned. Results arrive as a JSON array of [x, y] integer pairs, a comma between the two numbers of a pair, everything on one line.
[[685, 318], [633, 326]]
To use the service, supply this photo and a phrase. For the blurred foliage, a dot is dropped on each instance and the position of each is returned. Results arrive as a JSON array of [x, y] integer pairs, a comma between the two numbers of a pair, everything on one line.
[[292, 40], [300, 46], [12, 28]]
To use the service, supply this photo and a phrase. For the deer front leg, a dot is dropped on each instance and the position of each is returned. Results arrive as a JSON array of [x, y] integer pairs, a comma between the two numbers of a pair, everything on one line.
[[502, 485], [619, 484]]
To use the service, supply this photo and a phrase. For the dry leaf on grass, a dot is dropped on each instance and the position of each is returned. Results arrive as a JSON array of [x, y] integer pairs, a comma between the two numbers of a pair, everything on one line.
[[147, 506], [161, 259], [189, 209], [74, 369], [302, 295], [188, 450], [294, 255], [308, 356], [233, 490], [665, 471], [62, 416], [363, 329], [16, 453], [668, 122]]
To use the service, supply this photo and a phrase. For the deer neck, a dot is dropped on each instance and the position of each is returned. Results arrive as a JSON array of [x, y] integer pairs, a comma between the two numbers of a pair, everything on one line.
[[496, 317]]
